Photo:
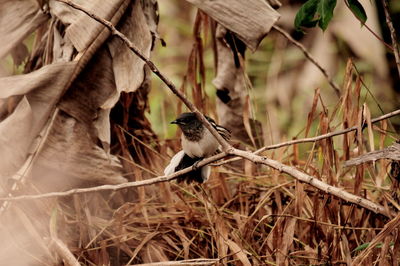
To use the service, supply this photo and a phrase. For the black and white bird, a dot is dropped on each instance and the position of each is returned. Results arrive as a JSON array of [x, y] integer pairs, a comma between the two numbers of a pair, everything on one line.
[[197, 143]]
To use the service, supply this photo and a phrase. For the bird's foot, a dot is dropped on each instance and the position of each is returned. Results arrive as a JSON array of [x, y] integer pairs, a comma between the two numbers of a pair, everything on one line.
[[195, 166]]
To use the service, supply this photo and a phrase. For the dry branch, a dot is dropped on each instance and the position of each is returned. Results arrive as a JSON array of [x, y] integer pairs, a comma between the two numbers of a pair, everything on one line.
[[140, 183], [303, 177], [310, 57], [313, 139], [392, 34], [62, 250], [338, 192], [154, 69], [392, 152]]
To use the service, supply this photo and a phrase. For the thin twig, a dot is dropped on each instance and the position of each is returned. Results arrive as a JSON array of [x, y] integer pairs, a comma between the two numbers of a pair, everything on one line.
[[225, 145], [312, 139], [229, 150], [368, 28], [303, 177], [63, 251], [328, 135], [26, 167], [140, 183], [392, 35], [310, 57]]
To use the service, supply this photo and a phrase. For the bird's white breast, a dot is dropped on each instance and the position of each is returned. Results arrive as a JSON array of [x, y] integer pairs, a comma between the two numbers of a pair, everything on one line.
[[205, 147]]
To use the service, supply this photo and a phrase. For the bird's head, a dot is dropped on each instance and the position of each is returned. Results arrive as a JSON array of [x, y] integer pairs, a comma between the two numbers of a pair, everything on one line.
[[188, 122]]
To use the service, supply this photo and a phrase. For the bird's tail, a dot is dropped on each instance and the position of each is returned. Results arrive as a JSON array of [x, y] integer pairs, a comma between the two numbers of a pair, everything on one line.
[[180, 161]]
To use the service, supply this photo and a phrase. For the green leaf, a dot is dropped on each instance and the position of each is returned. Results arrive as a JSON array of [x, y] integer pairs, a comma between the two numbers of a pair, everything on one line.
[[325, 10], [361, 247], [357, 10], [365, 245], [305, 15]]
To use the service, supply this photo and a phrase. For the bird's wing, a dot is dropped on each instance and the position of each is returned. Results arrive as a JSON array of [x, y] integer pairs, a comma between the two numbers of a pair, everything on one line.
[[205, 173], [170, 169], [224, 132]]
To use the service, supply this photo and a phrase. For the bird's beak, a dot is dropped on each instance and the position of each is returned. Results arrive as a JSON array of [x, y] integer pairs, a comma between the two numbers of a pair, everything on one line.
[[175, 122]]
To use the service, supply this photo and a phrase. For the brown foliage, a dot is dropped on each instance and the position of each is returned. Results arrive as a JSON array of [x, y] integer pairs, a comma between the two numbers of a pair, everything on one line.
[[245, 215]]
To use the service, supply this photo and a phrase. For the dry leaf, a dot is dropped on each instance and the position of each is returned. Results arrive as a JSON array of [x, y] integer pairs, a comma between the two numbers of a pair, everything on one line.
[[56, 75], [19, 54], [312, 112], [286, 241], [238, 252], [246, 119], [70, 152], [83, 30], [14, 155], [42, 89], [127, 67], [251, 20], [18, 19], [367, 117]]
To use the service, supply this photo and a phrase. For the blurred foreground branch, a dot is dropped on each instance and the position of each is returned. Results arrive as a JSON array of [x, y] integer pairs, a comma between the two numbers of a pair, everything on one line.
[[62, 250]]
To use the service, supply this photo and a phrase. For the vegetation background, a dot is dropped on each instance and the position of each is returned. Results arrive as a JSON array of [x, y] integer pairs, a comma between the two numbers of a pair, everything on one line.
[[95, 115]]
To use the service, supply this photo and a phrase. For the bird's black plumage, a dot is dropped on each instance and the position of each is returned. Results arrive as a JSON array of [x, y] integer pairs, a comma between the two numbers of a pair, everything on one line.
[[197, 143], [194, 175]]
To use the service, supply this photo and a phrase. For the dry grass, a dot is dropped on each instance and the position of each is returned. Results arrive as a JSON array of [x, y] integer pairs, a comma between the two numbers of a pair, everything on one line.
[[246, 214]]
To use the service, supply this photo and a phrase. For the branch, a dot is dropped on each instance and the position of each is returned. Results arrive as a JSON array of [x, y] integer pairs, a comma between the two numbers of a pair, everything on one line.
[[140, 183], [310, 57], [392, 35], [305, 178], [328, 135], [364, 24], [225, 145], [392, 152], [313, 139], [62, 250], [338, 192]]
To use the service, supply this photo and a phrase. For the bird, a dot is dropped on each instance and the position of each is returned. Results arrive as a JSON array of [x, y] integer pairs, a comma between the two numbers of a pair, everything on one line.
[[197, 143]]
